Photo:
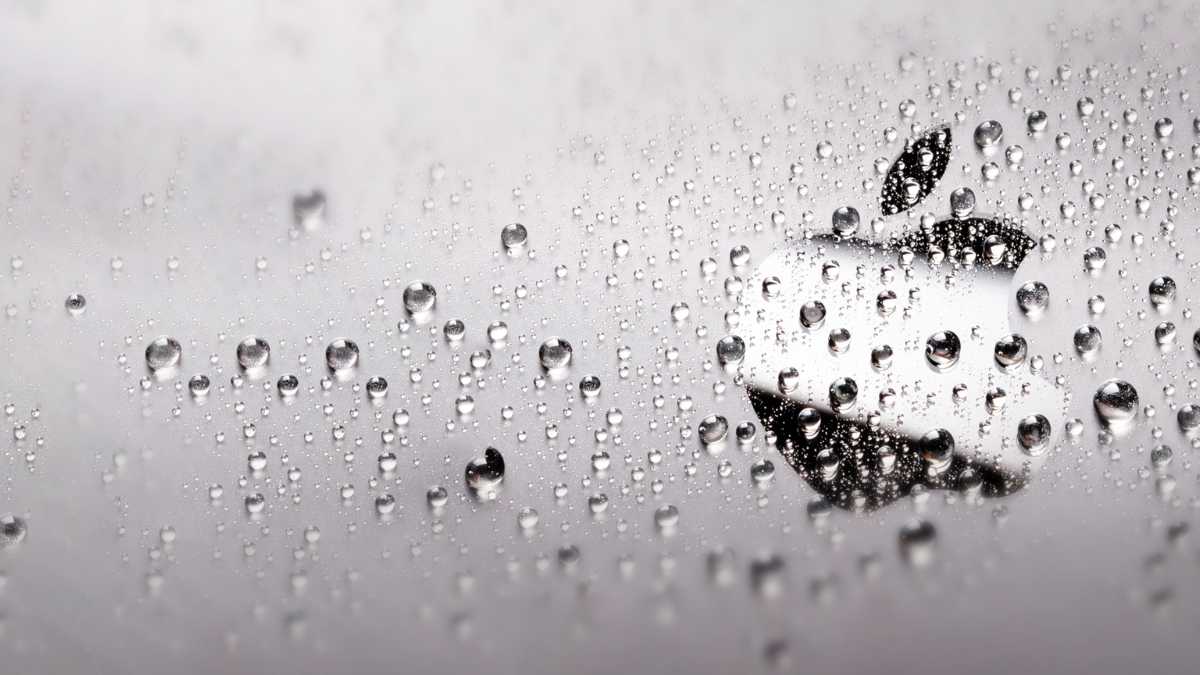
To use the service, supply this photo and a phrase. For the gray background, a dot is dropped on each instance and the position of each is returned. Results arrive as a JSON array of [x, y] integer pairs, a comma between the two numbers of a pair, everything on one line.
[[223, 111]]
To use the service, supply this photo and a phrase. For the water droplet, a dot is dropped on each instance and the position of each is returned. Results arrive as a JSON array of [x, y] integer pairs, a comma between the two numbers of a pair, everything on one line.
[[513, 237], [419, 297], [163, 353], [762, 471], [437, 496], [288, 385], [309, 210], [589, 386], [341, 354], [1087, 341], [253, 352], [555, 353], [76, 304], [199, 385], [1162, 291], [1116, 401], [988, 134], [942, 349], [937, 449], [255, 503], [845, 220], [1033, 297], [377, 387], [385, 504], [1011, 351], [527, 518], [1033, 432], [843, 393], [666, 517], [1189, 418], [731, 350], [12, 530], [713, 429], [485, 474], [962, 202], [812, 314], [917, 541]]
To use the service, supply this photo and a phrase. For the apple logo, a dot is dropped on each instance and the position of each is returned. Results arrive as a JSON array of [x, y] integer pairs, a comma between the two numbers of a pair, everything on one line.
[[878, 363]]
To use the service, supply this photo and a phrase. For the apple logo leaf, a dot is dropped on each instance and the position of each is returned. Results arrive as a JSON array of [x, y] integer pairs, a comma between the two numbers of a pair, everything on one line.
[[917, 171]]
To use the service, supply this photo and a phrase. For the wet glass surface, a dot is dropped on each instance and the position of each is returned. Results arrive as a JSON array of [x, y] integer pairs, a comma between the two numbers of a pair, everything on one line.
[[635, 337]]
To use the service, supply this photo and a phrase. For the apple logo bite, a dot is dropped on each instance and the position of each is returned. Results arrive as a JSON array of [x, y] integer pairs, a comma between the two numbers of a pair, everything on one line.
[[878, 363]]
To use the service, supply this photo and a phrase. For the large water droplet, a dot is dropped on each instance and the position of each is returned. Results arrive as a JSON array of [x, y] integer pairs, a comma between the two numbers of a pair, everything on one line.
[[942, 349], [845, 220], [1033, 432], [1116, 401], [419, 297], [341, 354], [513, 236], [989, 134], [713, 429], [1033, 297], [253, 352], [162, 353], [812, 314], [731, 349], [1011, 351], [1162, 291], [555, 353], [485, 474], [1087, 341]]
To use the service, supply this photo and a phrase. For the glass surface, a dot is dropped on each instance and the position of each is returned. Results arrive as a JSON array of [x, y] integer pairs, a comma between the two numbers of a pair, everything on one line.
[[267, 185]]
